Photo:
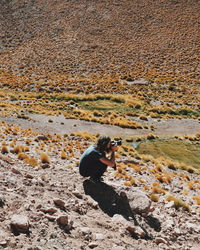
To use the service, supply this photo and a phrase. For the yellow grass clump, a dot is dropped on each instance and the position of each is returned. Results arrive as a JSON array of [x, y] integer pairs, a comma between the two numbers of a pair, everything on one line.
[[151, 136], [4, 149], [158, 190], [17, 149], [197, 199], [44, 158], [178, 203], [127, 183], [22, 156], [31, 161], [63, 155], [154, 197]]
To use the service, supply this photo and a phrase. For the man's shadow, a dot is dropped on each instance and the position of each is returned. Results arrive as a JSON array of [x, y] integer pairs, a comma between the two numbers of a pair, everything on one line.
[[111, 203]]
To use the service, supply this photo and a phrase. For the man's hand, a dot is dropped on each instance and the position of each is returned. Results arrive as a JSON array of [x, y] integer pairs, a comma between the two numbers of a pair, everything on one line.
[[114, 148]]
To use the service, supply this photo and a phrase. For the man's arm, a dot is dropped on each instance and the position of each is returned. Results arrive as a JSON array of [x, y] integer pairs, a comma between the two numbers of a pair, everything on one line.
[[109, 162]]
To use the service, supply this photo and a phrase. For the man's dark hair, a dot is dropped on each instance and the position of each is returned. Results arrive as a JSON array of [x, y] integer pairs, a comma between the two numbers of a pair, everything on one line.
[[102, 142]]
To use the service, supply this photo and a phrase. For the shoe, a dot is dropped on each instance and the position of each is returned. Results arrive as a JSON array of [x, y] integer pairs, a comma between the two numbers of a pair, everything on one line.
[[95, 179]]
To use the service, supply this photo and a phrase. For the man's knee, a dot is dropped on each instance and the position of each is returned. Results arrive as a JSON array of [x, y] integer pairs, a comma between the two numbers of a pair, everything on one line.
[[83, 172]]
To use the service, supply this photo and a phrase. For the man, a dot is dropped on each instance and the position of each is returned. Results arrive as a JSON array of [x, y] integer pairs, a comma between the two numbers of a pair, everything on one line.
[[93, 162]]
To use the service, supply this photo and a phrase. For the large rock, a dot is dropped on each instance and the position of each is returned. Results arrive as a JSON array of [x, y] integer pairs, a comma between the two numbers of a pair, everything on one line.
[[139, 202], [19, 224]]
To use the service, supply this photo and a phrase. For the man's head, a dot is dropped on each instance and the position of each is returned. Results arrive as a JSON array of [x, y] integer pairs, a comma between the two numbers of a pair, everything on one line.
[[103, 143]]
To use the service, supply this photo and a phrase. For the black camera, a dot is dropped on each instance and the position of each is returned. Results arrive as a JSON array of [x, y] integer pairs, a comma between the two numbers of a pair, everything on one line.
[[118, 143]]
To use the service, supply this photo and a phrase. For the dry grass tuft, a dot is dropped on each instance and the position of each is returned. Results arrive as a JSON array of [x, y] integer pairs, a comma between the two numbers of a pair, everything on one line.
[[178, 203], [4, 149], [22, 156], [44, 158], [154, 197]]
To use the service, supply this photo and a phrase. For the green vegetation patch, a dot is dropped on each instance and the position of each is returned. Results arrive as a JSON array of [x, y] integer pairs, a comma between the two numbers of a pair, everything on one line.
[[104, 105], [182, 151]]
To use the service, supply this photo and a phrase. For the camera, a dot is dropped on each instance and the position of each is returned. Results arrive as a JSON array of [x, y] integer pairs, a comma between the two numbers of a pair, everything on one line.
[[118, 143]]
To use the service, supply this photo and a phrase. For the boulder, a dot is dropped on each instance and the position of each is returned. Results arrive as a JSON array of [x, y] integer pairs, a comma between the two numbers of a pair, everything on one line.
[[139, 202]]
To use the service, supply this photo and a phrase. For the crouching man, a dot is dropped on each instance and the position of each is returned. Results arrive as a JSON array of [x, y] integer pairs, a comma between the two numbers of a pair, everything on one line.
[[93, 162]]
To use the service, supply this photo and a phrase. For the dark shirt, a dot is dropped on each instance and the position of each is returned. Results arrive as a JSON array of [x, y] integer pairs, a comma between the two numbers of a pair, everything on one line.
[[89, 162]]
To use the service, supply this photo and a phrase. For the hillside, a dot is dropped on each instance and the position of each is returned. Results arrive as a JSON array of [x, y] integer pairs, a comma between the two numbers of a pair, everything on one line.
[[72, 70], [45, 204], [71, 45]]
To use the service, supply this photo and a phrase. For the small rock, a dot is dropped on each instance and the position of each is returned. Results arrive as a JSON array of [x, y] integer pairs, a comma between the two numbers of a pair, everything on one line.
[[54, 235], [15, 171], [92, 203], [77, 194], [177, 231], [59, 202], [45, 165], [49, 210], [2, 201], [115, 247], [84, 230], [65, 222], [19, 223], [160, 240], [50, 218], [119, 219], [3, 243], [135, 229], [92, 244], [29, 176], [98, 236], [169, 204]]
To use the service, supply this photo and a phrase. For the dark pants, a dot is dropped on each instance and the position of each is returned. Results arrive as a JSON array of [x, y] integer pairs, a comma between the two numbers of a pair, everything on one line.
[[95, 171]]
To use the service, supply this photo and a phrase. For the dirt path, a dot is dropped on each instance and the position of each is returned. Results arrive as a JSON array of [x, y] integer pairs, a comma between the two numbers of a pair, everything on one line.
[[60, 125]]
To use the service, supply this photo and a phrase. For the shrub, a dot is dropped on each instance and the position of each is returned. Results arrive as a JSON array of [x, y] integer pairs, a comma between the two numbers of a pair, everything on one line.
[[138, 138], [154, 197], [191, 185], [178, 203], [143, 117], [170, 165], [158, 190], [127, 183], [44, 158], [16, 150], [22, 156], [129, 139], [151, 136], [63, 155], [31, 161], [197, 199], [4, 149]]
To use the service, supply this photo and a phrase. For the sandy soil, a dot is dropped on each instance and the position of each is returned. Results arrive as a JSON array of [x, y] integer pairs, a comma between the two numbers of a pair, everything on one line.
[[163, 128]]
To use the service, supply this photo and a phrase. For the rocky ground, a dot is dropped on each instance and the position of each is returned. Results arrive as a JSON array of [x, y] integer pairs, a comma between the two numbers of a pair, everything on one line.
[[49, 206]]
